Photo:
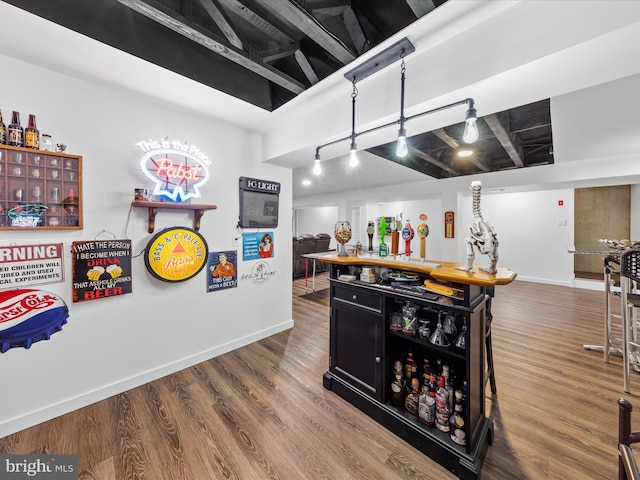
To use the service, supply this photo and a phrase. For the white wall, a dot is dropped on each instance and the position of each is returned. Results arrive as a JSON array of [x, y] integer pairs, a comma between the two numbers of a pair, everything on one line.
[[531, 241], [316, 220], [113, 344]]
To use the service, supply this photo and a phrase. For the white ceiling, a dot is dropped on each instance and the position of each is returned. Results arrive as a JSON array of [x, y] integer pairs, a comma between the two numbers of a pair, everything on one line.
[[502, 53]]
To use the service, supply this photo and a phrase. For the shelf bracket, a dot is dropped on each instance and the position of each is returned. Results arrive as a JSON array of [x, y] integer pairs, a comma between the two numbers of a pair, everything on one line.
[[153, 211]]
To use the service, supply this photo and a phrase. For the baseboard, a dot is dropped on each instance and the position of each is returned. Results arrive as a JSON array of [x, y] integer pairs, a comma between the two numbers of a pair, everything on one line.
[[50, 412]]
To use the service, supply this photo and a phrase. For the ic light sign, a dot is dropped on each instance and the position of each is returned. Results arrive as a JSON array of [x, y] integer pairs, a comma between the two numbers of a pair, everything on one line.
[[178, 170]]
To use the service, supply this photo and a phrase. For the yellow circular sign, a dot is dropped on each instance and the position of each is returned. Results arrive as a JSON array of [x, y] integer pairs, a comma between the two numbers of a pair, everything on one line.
[[176, 254]]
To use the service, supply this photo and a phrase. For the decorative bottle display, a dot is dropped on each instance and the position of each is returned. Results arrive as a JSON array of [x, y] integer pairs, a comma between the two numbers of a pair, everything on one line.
[[407, 236], [371, 229], [457, 429], [15, 132], [342, 232], [423, 232], [3, 131], [32, 134]]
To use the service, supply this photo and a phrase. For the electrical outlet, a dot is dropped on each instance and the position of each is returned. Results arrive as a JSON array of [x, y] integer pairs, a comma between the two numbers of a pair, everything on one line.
[[562, 222]]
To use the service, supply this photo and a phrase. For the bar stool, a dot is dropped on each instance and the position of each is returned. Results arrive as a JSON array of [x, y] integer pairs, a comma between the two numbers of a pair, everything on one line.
[[629, 279]]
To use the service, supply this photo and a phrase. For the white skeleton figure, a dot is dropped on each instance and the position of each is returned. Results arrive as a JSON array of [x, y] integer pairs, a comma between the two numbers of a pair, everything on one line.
[[483, 235]]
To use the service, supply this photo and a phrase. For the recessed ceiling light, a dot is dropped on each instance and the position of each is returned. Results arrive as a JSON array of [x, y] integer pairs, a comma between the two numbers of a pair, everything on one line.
[[306, 182], [465, 151]]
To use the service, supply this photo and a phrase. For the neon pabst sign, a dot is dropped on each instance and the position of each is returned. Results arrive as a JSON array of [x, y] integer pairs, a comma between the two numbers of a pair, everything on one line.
[[178, 170]]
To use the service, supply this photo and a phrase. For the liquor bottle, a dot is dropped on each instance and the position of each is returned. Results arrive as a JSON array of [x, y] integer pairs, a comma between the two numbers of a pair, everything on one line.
[[427, 403], [442, 407], [3, 131], [413, 397], [398, 386], [32, 134], [426, 371], [410, 368], [15, 132], [448, 386], [457, 428]]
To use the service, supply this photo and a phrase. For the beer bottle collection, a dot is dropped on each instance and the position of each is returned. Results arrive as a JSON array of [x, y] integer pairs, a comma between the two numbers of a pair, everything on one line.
[[17, 136]]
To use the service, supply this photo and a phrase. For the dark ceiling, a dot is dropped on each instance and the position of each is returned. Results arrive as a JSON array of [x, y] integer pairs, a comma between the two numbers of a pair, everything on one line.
[[517, 138], [265, 52]]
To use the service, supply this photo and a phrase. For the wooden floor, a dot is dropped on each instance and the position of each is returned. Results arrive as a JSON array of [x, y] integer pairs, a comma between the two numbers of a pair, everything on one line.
[[261, 412]]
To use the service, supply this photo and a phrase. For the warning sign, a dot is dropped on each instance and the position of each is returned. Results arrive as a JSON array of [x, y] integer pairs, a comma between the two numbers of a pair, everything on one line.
[[22, 265]]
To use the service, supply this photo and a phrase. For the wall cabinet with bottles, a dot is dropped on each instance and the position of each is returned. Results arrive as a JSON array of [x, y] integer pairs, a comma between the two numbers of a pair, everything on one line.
[[39, 189], [369, 335]]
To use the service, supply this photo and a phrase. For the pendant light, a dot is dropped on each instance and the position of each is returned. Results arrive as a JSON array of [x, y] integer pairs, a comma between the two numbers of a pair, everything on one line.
[[371, 66]]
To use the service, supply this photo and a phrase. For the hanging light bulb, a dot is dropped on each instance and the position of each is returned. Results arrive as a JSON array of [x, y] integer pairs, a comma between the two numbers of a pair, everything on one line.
[[317, 169], [470, 134], [353, 155], [401, 145]]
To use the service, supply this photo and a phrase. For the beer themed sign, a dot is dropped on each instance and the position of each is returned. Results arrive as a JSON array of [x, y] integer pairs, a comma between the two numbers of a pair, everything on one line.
[[177, 170], [176, 254], [101, 268]]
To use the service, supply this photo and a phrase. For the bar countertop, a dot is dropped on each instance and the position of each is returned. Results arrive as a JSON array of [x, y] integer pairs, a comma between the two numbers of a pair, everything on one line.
[[442, 271]]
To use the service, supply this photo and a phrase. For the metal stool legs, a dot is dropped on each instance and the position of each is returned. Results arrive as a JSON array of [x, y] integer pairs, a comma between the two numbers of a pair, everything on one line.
[[630, 301]]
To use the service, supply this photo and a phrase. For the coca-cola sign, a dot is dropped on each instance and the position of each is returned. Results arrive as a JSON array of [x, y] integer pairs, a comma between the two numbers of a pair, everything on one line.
[[178, 170]]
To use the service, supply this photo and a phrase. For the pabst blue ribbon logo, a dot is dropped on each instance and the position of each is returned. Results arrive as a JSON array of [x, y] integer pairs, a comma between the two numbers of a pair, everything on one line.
[[178, 170], [28, 316]]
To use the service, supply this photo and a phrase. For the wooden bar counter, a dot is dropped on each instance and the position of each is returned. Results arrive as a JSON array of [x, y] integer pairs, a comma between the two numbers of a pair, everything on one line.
[[364, 346]]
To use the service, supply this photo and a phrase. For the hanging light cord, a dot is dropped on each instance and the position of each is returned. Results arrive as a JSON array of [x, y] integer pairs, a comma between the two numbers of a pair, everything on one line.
[[354, 94], [402, 70]]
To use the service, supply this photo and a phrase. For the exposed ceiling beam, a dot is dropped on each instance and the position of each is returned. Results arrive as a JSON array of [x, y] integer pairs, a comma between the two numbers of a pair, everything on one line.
[[433, 161], [446, 138], [249, 16], [306, 67], [181, 25], [222, 22], [531, 122], [504, 138], [353, 28], [333, 8], [278, 53], [421, 7], [303, 21], [453, 143]]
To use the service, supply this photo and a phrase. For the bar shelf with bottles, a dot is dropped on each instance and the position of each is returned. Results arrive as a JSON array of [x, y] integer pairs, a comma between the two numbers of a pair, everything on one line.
[[39, 189], [370, 334]]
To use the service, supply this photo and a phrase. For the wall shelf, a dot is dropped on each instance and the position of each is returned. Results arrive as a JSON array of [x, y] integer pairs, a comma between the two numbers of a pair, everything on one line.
[[198, 211]]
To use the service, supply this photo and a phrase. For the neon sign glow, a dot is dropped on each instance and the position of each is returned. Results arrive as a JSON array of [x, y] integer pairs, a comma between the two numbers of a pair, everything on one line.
[[178, 170]]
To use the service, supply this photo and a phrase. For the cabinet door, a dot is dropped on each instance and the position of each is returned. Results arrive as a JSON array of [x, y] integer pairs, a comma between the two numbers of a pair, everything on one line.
[[356, 347]]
